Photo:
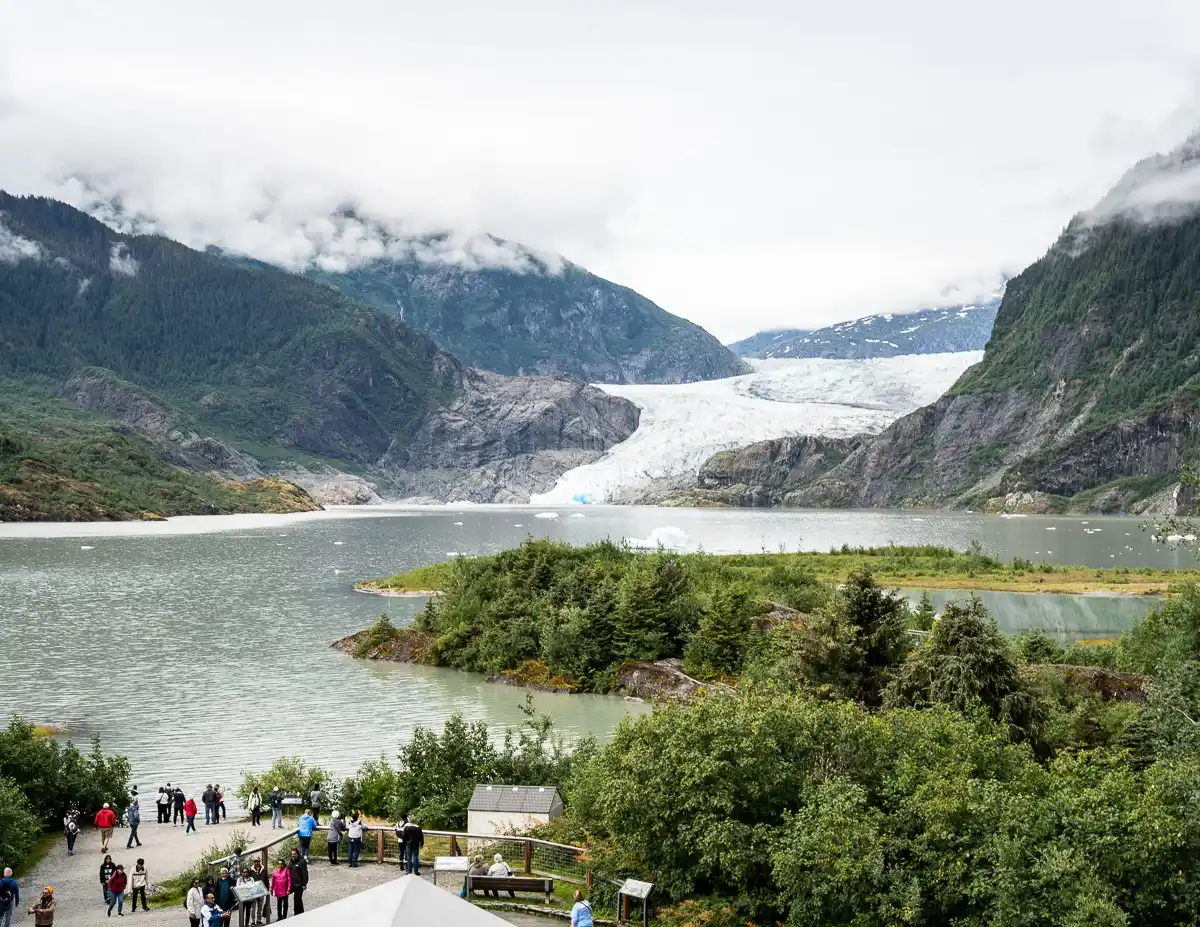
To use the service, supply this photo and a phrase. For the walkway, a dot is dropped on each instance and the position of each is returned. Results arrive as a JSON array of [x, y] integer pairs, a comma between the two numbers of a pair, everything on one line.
[[76, 879]]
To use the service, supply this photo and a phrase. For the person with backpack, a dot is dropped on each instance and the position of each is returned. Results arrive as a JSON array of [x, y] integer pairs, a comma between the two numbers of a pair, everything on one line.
[[139, 881], [314, 799], [105, 821], [189, 811], [163, 803], [281, 887], [10, 897], [71, 829], [43, 909], [134, 814], [275, 799], [117, 883], [581, 911], [177, 799], [304, 831], [194, 902], [298, 870], [414, 839], [254, 803], [107, 868]]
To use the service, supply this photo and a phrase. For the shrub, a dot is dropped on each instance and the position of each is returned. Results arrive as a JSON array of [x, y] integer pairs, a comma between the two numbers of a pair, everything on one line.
[[1037, 647]]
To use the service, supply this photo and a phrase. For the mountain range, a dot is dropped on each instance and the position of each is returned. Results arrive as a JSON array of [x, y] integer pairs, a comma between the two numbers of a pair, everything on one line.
[[167, 363], [538, 318], [1088, 394], [940, 330]]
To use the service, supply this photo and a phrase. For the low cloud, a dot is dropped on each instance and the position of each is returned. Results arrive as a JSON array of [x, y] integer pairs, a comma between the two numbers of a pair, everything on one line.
[[120, 261], [14, 248], [1161, 188]]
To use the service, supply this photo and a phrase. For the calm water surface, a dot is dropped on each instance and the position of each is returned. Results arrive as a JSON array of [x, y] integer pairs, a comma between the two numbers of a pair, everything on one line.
[[201, 646]]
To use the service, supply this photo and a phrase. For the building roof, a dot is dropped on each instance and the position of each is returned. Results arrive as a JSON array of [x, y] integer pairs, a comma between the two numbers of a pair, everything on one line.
[[523, 799], [400, 903]]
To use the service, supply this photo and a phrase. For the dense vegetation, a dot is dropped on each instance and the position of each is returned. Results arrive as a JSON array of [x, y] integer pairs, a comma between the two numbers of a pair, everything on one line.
[[62, 464], [539, 321], [40, 779], [253, 355], [571, 617], [858, 777]]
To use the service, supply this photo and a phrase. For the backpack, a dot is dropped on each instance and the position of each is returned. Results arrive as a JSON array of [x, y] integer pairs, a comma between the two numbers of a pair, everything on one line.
[[6, 896], [72, 827]]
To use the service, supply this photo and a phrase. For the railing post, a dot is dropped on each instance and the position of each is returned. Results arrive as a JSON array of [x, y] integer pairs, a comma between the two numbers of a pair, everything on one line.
[[454, 845], [528, 857], [264, 859], [587, 879], [379, 846]]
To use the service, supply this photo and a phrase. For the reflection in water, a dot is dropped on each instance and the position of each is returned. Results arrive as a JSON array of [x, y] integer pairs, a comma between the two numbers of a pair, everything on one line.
[[200, 651]]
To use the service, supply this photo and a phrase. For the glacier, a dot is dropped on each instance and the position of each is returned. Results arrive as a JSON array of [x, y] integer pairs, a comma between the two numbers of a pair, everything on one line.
[[682, 425]]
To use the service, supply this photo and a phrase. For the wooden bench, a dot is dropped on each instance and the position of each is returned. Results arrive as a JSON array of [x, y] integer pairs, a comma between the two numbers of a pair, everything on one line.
[[540, 885]]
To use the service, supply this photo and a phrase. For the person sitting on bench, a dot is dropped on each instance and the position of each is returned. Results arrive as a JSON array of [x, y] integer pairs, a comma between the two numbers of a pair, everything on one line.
[[501, 869]]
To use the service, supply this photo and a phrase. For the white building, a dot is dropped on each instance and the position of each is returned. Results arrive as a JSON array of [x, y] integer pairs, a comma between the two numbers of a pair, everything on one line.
[[506, 809]]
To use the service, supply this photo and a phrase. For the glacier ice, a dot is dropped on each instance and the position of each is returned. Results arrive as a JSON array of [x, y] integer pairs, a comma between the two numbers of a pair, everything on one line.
[[682, 425]]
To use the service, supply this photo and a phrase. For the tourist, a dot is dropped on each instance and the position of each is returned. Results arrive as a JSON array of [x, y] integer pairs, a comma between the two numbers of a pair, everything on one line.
[[263, 875], [333, 837], [106, 821], [71, 829], [209, 887], [478, 868], [281, 887], [225, 896], [500, 868], [355, 828], [189, 810], [135, 818], [43, 908], [298, 870], [178, 801], [275, 799], [581, 912], [107, 868], [117, 883], [194, 902], [304, 830], [255, 805], [163, 803], [249, 908], [138, 882], [314, 799], [209, 797], [218, 805], [211, 914], [10, 897], [414, 839]]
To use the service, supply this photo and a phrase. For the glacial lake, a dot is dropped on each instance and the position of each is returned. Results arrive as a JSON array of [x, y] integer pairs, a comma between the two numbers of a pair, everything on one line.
[[200, 646]]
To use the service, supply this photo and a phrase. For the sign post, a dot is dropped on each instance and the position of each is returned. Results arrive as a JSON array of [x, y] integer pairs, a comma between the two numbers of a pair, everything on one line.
[[632, 888]]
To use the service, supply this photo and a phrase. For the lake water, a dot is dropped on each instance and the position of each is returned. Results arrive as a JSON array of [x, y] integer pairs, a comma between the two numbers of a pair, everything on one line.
[[200, 646]]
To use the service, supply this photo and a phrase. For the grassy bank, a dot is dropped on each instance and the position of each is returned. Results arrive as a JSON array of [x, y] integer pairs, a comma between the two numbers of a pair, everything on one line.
[[908, 567]]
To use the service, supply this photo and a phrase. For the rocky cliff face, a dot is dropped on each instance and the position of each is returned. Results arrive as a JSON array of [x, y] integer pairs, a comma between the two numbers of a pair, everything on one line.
[[505, 438], [540, 319]]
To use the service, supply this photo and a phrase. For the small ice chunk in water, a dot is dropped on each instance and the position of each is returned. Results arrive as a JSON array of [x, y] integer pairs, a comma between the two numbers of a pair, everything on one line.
[[547, 515]]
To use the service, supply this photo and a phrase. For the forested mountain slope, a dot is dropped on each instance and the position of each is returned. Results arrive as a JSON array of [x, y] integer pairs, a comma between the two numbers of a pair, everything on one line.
[[540, 320], [1087, 393], [245, 370]]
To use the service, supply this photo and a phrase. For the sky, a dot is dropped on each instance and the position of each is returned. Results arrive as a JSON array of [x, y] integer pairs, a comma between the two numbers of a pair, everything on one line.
[[746, 165]]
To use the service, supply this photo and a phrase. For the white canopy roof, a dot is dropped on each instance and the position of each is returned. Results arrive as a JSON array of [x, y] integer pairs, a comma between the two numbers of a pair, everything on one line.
[[407, 901]]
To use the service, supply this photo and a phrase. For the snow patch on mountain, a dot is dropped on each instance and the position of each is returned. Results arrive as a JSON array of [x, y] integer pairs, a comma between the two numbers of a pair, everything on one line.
[[682, 425]]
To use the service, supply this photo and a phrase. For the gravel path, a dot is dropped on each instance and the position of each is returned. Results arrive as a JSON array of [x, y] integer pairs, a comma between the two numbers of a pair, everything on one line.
[[76, 879]]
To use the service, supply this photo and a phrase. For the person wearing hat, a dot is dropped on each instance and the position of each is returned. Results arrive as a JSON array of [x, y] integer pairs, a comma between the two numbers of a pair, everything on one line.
[[105, 821], [43, 908]]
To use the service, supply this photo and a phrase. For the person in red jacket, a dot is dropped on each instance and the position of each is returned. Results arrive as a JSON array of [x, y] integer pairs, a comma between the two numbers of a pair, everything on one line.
[[106, 821], [117, 883], [189, 812]]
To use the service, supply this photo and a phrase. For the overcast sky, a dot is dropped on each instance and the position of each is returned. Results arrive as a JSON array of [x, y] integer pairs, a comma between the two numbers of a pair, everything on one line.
[[747, 165]]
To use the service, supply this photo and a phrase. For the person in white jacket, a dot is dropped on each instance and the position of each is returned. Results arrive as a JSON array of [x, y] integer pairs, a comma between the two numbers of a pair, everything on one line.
[[355, 828], [194, 902]]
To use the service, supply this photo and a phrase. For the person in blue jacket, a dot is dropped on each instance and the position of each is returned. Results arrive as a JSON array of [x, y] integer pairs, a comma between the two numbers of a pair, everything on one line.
[[304, 830], [10, 897]]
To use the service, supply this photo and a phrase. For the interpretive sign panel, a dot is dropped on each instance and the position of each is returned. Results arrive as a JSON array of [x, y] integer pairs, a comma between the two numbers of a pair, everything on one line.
[[635, 889]]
